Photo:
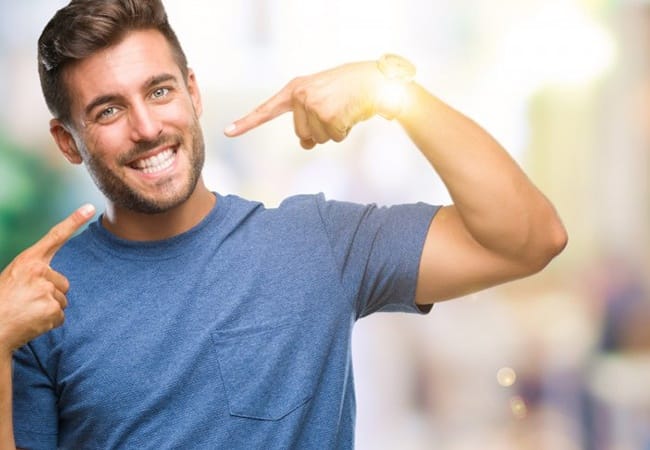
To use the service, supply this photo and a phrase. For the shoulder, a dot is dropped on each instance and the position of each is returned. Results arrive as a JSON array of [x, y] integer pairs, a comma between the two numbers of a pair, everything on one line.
[[295, 207], [318, 206]]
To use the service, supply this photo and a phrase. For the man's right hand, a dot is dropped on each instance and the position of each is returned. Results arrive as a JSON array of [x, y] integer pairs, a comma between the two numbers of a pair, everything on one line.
[[32, 294]]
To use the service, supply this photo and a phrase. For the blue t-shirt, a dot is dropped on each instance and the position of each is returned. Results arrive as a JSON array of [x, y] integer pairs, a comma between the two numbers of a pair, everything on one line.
[[235, 334]]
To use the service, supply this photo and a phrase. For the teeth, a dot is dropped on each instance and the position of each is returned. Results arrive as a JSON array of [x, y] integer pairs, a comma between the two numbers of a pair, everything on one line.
[[156, 163]]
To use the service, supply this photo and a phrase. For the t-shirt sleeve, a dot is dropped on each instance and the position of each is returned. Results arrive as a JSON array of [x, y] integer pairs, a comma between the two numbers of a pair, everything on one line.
[[34, 402], [378, 250]]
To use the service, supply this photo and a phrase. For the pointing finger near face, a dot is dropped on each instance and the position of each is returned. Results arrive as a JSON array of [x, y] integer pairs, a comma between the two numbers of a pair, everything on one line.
[[32, 294], [61, 232], [277, 105]]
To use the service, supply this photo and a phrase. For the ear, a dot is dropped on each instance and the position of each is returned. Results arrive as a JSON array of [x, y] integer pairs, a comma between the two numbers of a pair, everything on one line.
[[195, 94], [65, 141]]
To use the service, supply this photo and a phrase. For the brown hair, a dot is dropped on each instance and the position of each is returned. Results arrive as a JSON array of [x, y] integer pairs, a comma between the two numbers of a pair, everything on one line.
[[86, 26]]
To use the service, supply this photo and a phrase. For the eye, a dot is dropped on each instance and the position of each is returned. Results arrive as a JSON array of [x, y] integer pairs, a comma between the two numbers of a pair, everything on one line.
[[160, 92], [107, 113]]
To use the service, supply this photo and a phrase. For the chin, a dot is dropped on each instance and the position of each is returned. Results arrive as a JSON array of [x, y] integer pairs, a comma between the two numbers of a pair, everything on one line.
[[138, 202]]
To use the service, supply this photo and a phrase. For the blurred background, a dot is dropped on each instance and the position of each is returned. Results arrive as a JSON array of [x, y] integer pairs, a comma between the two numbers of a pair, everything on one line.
[[557, 361]]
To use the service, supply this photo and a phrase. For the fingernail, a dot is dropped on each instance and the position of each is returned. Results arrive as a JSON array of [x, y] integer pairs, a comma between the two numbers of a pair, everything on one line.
[[87, 210], [230, 128]]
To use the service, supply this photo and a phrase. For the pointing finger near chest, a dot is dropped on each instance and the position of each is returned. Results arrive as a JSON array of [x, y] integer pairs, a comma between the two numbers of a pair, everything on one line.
[[58, 235]]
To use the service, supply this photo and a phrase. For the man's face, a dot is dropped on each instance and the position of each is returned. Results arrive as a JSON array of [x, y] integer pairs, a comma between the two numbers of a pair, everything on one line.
[[135, 123]]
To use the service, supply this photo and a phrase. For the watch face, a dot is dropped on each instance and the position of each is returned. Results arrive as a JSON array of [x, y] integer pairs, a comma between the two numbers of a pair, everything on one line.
[[395, 67]]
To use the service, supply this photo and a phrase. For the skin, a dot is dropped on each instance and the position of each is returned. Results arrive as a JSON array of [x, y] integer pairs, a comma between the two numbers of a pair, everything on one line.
[[499, 228], [32, 300], [131, 101], [473, 244], [136, 119]]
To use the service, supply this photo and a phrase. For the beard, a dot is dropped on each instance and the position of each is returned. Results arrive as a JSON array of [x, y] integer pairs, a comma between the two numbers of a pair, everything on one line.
[[121, 194]]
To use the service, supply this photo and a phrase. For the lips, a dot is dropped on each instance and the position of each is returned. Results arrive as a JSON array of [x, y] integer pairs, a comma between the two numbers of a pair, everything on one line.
[[155, 163]]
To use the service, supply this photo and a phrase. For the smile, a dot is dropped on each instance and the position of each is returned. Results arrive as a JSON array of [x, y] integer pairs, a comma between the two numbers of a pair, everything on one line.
[[155, 163]]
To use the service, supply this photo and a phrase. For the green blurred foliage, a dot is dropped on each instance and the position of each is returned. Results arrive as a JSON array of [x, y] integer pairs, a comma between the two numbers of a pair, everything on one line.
[[29, 189]]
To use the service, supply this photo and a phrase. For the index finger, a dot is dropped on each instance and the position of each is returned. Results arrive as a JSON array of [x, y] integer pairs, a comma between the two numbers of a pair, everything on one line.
[[61, 232], [277, 105]]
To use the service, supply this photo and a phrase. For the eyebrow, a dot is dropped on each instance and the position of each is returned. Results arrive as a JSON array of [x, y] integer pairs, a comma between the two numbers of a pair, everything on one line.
[[109, 98], [102, 99], [158, 79]]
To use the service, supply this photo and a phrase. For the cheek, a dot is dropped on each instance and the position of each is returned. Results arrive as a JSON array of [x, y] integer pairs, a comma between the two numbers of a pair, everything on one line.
[[104, 145], [181, 113]]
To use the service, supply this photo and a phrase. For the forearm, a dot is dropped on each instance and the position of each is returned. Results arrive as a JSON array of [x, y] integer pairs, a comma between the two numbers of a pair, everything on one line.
[[499, 206], [6, 410]]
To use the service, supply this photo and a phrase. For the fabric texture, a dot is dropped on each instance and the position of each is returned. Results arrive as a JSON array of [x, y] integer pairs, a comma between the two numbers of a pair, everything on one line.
[[235, 334]]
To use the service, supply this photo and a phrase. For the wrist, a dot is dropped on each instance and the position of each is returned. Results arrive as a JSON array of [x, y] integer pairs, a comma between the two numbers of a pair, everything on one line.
[[6, 353], [5, 348], [392, 93]]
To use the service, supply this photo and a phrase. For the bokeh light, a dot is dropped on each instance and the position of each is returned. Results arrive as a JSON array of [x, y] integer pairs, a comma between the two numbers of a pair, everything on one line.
[[506, 376], [518, 407]]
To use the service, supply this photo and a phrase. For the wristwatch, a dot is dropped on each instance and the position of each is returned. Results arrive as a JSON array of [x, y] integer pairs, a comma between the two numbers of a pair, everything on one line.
[[395, 67], [398, 72]]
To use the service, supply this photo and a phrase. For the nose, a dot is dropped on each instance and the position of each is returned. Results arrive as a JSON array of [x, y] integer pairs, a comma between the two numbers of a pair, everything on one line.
[[145, 126]]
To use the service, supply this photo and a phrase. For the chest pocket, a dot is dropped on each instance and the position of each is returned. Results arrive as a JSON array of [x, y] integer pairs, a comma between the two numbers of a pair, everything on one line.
[[267, 370]]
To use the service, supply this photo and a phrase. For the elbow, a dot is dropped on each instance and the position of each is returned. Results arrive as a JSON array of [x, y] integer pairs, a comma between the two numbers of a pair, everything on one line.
[[559, 240], [550, 241]]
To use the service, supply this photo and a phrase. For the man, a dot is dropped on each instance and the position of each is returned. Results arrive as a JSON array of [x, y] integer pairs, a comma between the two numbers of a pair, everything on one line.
[[196, 320]]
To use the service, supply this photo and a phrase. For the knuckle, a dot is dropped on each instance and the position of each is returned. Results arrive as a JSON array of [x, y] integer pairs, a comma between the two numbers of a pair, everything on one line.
[[26, 270], [311, 105], [58, 319], [14, 271], [52, 309], [304, 135], [340, 132], [42, 289], [56, 234], [295, 83], [299, 94], [37, 268], [65, 285], [21, 259], [51, 288], [328, 116], [77, 218], [261, 109], [317, 106]]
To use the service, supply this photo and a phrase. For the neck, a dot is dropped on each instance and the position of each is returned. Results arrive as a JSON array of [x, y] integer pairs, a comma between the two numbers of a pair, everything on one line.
[[137, 226]]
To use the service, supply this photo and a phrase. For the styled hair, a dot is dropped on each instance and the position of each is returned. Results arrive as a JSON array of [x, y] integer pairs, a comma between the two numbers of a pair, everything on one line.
[[84, 27]]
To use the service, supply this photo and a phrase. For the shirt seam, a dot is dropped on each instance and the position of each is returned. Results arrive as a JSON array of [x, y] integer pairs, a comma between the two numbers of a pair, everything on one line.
[[99, 244]]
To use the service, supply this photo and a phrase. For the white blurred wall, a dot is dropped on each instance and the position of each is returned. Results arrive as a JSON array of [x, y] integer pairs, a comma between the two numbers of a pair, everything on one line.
[[563, 84]]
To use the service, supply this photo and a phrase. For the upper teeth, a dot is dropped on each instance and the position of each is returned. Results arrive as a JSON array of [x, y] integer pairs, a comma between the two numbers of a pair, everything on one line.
[[155, 163]]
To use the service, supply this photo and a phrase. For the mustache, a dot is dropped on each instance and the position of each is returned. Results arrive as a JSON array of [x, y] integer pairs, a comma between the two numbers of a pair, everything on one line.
[[144, 146]]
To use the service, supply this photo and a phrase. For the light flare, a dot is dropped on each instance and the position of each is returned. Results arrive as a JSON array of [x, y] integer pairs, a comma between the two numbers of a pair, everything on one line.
[[392, 97]]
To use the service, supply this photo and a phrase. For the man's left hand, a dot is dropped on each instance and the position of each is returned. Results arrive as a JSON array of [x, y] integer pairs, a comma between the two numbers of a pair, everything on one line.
[[325, 105]]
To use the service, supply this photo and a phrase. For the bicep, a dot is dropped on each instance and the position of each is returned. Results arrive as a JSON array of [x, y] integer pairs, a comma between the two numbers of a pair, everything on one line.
[[454, 264]]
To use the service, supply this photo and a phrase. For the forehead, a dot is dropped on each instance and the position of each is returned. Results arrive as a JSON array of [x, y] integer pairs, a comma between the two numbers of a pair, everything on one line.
[[122, 68]]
